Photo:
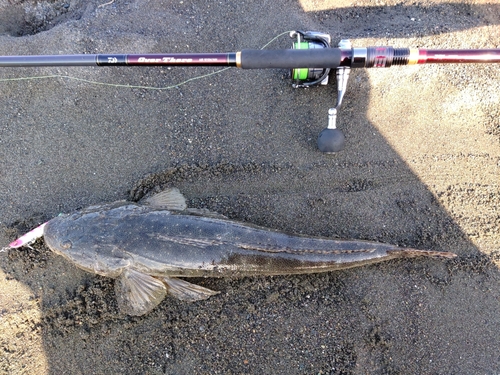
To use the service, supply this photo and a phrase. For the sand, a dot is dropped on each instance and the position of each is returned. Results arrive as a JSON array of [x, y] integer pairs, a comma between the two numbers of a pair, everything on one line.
[[420, 169]]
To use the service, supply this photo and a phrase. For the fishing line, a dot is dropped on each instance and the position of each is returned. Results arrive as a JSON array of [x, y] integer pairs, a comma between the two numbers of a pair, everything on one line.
[[127, 85]]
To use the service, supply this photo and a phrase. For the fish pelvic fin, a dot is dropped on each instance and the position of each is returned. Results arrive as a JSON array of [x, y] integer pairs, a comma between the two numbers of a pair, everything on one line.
[[138, 293], [186, 291], [169, 199]]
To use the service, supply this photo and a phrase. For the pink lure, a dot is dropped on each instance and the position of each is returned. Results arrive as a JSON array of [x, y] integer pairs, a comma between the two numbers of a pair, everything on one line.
[[28, 238]]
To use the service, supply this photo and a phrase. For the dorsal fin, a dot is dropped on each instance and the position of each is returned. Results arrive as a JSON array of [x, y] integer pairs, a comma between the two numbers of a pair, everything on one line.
[[138, 293], [169, 199]]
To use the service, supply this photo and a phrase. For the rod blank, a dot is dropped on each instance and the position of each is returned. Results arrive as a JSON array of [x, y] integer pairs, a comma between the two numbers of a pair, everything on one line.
[[443, 56], [48, 60]]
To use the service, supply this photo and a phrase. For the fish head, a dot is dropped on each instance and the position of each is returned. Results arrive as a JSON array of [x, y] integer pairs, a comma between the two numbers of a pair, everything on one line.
[[66, 237]]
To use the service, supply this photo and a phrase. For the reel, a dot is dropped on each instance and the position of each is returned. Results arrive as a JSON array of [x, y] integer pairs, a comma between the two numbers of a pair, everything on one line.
[[307, 77], [330, 139]]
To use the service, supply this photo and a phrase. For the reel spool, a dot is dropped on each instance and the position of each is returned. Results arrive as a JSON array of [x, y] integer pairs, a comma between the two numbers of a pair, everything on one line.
[[331, 139], [306, 77]]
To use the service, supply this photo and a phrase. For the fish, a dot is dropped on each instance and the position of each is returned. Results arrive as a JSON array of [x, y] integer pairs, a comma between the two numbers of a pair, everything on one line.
[[150, 247]]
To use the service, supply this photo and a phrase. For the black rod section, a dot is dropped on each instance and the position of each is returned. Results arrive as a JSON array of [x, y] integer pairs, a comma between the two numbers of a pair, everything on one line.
[[48, 60]]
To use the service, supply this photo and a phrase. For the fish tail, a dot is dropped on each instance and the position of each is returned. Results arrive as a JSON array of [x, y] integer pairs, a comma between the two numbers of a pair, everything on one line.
[[413, 253]]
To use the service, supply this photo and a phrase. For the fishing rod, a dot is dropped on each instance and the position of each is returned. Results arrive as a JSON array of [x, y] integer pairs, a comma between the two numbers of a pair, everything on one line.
[[311, 60]]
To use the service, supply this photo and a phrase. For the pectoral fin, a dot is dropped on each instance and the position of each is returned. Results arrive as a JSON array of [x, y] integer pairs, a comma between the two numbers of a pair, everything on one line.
[[186, 291], [138, 293], [169, 199]]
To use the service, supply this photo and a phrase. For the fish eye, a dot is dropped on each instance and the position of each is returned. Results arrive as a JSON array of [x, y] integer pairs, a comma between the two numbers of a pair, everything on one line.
[[66, 244]]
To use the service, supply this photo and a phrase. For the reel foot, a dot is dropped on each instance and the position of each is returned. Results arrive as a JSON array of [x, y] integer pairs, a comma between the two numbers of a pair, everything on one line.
[[331, 140]]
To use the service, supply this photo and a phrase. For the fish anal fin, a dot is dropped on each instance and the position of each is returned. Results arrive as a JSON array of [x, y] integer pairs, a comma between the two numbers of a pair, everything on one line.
[[186, 291], [138, 293], [169, 199]]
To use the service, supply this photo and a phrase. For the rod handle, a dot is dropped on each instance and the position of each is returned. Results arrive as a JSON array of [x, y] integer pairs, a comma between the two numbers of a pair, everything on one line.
[[289, 58]]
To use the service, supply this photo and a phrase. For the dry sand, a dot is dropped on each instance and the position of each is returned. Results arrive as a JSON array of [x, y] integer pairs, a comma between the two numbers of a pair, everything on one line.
[[421, 168]]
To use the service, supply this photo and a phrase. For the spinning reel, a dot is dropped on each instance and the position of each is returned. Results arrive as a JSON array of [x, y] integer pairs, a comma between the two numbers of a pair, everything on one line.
[[330, 139]]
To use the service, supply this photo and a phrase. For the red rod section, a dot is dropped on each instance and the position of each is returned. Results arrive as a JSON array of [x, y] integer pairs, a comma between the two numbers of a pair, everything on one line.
[[447, 56], [181, 59]]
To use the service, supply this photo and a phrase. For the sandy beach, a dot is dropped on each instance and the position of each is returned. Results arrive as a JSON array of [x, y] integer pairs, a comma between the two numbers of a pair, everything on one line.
[[420, 169]]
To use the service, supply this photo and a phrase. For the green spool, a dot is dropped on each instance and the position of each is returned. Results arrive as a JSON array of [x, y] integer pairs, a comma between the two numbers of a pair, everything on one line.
[[301, 73]]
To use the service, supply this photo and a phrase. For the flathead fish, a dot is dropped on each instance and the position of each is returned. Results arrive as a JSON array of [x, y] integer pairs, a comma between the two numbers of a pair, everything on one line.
[[147, 246]]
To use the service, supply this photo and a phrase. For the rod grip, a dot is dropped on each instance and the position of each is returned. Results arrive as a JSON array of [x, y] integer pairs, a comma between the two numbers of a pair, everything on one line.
[[290, 58]]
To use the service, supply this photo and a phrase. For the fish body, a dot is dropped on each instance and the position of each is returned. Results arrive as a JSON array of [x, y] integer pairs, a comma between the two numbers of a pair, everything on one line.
[[107, 240], [147, 246]]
